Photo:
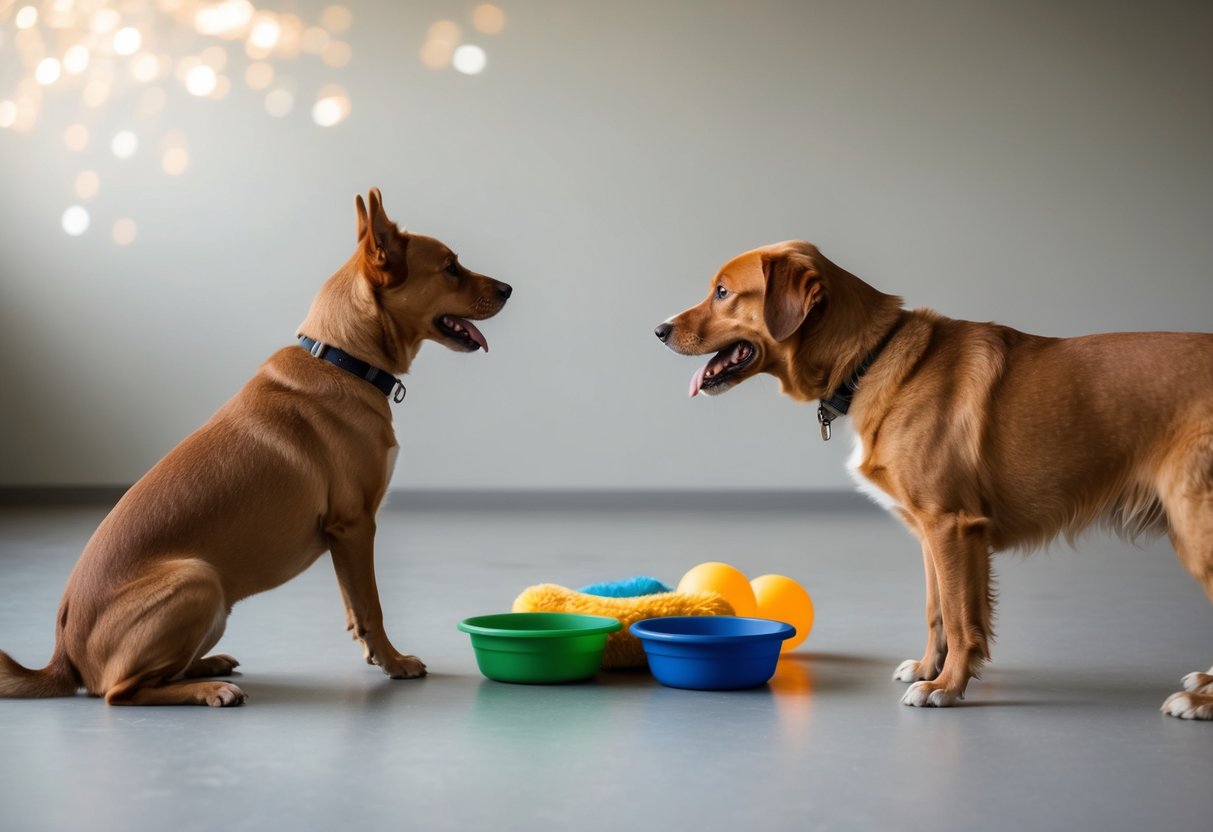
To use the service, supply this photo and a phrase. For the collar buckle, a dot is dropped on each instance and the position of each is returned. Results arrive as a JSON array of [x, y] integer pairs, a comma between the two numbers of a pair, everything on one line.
[[825, 417], [398, 392]]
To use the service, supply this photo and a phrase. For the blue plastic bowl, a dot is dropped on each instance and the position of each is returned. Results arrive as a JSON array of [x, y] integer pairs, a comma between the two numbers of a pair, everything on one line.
[[712, 652]]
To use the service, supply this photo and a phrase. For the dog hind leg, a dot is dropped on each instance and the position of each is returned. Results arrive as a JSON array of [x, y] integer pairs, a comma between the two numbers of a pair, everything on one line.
[[1186, 491], [153, 633]]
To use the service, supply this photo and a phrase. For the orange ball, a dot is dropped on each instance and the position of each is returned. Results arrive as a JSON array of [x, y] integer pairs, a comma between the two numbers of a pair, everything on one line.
[[782, 599], [724, 580]]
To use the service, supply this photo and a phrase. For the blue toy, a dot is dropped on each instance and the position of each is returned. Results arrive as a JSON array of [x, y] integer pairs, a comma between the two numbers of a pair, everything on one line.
[[627, 588]]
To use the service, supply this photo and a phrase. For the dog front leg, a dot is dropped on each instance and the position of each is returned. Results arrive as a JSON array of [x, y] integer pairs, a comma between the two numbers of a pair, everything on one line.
[[913, 670], [354, 563], [958, 545], [351, 626]]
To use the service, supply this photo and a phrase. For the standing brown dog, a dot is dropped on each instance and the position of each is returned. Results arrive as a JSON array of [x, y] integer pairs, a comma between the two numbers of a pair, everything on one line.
[[979, 437], [294, 465]]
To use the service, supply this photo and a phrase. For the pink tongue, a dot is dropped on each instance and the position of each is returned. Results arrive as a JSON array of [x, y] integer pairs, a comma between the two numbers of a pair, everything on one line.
[[475, 334], [697, 379]]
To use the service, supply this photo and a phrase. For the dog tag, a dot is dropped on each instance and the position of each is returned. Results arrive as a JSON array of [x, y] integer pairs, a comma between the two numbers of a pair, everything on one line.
[[398, 393], [824, 418]]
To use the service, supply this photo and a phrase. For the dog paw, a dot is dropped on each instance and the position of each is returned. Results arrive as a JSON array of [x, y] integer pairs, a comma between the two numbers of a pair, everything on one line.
[[1187, 705], [929, 695], [220, 664], [1198, 682], [225, 695], [908, 671], [403, 667]]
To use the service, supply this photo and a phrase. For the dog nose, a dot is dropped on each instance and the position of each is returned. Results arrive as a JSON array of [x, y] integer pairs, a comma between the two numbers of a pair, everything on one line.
[[663, 331], [505, 290]]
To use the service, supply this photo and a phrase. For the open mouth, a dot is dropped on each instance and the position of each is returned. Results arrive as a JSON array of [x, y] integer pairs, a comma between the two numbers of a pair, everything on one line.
[[462, 333], [723, 368]]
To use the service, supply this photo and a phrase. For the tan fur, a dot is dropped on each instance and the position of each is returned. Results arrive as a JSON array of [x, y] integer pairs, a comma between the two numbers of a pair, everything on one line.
[[294, 465], [983, 438]]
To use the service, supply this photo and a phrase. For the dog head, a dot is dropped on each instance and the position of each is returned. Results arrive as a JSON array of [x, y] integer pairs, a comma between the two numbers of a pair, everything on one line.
[[784, 310], [752, 319], [398, 291], [421, 285]]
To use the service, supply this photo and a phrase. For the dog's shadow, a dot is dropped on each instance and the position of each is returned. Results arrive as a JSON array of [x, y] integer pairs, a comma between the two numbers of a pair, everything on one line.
[[310, 691], [820, 672]]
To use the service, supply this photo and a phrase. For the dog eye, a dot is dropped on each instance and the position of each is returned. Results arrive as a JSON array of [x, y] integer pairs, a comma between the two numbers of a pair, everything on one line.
[[452, 268], [721, 293]]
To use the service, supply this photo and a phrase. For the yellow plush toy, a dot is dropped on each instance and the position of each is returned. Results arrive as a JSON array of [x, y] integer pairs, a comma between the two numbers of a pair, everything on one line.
[[622, 648]]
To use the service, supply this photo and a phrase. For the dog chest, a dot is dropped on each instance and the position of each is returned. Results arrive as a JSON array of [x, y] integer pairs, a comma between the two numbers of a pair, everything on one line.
[[873, 491], [392, 453]]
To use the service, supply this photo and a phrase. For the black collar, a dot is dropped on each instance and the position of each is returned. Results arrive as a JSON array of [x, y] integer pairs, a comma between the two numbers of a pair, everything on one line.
[[839, 403], [387, 383]]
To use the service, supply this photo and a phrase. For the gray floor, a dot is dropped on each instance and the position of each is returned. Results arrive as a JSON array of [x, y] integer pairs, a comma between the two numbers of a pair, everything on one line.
[[1062, 733]]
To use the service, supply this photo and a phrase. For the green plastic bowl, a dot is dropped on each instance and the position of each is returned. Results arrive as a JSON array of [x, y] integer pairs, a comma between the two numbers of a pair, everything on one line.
[[539, 648]]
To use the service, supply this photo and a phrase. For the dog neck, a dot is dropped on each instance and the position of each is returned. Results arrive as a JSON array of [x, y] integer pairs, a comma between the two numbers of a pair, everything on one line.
[[839, 334], [839, 402], [346, 314], [385, 382]]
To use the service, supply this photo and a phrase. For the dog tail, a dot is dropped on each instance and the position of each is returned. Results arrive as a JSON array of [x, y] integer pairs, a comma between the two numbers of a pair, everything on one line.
[[56, 679]]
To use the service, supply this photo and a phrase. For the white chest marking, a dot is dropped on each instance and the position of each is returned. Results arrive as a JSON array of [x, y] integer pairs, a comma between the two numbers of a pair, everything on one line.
[[392, 453], [868, 487]]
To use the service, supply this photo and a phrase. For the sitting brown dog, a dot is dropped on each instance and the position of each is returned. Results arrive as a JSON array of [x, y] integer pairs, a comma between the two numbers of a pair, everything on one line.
[[979, 437], [294, 465]]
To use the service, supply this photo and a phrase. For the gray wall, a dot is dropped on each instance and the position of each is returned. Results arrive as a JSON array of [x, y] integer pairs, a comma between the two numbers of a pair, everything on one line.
[[1045, 164]]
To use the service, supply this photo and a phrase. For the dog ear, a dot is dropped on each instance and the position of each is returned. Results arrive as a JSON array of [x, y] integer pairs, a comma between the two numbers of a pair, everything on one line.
[[360, 207], [381, 230], [384, 245], [793, 288]]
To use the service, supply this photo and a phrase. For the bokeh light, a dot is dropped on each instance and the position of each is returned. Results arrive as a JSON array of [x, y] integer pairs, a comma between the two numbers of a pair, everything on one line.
[[174, 158], [488, 18], [265, 31], [336, 18], [440, 42], [175, 161], [332, 106], [88, 183], [75, 59], [124, 231], [104, 20], [75, 137], [75, 220], [290, 33], [336, 54], [279, 102], [445, 31], [223, 85], [259, 75], [215, 57], [436, 54], [124, 144], [127, 41], [469, 59], [27, 17], [226, 19], [200, 80], [145, 67], [48, 71], [96, 93]]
